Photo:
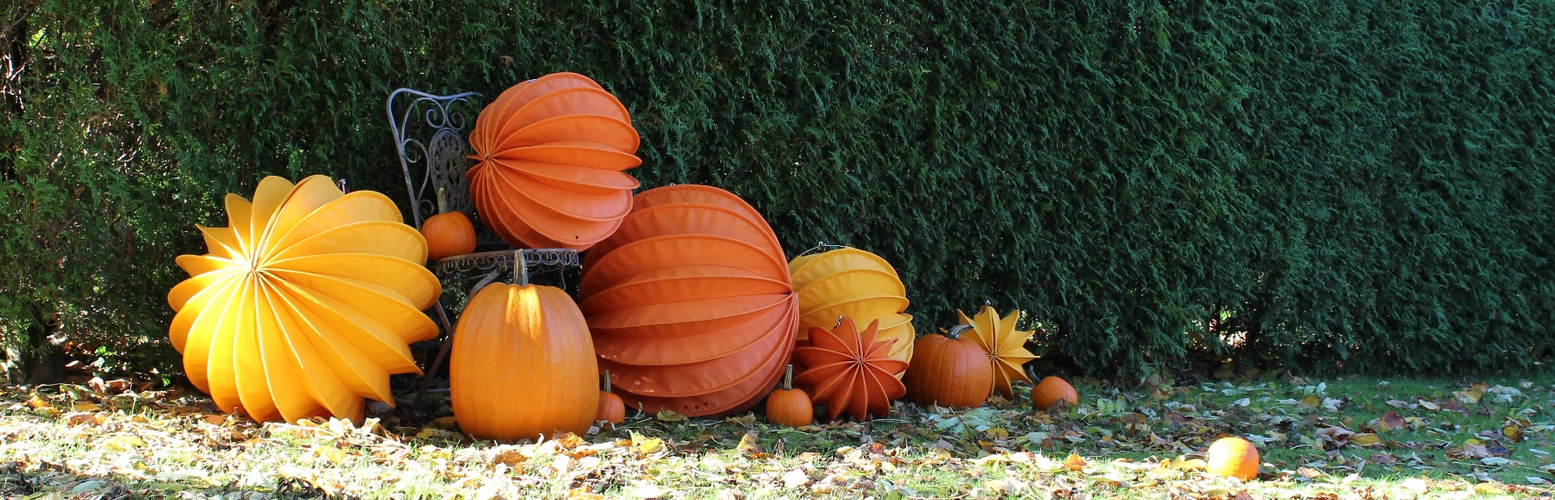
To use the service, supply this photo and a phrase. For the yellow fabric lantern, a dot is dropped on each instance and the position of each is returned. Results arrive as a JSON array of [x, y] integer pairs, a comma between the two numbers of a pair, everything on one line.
[[857, 284], [305, 303]]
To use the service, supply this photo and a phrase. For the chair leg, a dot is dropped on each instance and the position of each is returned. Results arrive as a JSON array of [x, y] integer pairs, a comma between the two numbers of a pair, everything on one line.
[[442, 354]]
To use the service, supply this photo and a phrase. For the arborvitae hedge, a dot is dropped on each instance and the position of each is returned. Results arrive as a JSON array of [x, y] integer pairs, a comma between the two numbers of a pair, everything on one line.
[[1318, 185]]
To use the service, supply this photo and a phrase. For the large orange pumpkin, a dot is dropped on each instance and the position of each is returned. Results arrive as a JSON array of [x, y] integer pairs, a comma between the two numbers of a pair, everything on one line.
[[850, 370], [551, 154], [522, 365], [689, 303], [305, 303], [855, 283], [949, 370]]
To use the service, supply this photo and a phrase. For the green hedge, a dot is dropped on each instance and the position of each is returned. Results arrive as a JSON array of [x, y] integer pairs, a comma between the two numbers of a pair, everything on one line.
[[1320, 186]]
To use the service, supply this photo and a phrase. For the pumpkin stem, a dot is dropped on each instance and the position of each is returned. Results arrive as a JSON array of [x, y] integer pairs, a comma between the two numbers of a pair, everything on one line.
[[955, 331], [607, 380], [788, 378], [520, 268], [442, 201]]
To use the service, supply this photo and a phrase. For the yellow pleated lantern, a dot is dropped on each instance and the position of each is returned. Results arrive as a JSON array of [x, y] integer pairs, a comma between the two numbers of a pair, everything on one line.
[[854, 283], [689, 303], [305, 303]]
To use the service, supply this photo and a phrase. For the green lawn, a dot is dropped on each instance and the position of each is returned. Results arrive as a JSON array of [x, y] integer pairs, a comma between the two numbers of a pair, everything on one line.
[[1344, 438]]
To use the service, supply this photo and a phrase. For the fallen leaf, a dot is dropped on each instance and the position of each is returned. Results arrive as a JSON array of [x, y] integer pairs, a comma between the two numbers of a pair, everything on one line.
[[795, 478], [643, 489], [646, 445], [85, 406], [1074, 463], [1430, 406], [37, 403], [1390, 421], [669, 416], [1414, 485], [1470, 396], [748, 445], [1513, 432], [1366, 439]]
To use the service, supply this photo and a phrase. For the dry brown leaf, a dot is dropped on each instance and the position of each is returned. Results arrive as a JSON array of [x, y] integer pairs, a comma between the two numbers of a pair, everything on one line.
[[748, 444], [1390, 421], [1075, 463], [37, 403]]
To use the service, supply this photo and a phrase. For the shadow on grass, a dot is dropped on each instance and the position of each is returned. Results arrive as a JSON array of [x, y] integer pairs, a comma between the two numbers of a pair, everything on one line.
[[48, 480]]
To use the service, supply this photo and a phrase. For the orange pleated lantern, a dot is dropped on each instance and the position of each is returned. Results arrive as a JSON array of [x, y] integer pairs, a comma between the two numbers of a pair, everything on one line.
[[551, 154], [851, 371], [689, 303], [854, 283]]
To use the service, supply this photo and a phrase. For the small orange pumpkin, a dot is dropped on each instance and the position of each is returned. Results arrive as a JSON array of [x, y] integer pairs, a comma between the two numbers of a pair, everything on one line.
[[789, 406], [611, 408], [448, 233], [1050, 391], [522, 364], [948, 370], [1232, 457]]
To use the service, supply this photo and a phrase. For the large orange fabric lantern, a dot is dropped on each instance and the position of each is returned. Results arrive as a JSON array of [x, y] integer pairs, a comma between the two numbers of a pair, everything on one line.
[[689, 303], [854, 283], [305, 304], [551, 154]]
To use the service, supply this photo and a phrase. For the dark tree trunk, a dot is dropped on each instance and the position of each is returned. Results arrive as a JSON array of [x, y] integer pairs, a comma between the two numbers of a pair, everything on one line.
[[35, 359]]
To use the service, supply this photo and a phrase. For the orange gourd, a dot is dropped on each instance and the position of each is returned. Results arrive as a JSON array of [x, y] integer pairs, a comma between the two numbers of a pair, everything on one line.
[[550, 159], [850, 371], [522, 364], [1050, 391], [789, 406], [1232, 457], [949, 370], [689, 303], [611, 408], [448, 233]]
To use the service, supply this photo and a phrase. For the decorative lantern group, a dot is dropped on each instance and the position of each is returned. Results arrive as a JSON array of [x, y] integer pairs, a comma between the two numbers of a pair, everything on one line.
[[551, 155], [689, 303], [854, 283], [306, 303]]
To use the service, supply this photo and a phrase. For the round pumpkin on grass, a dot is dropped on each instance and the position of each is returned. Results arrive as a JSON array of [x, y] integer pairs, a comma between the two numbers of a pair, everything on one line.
[[1050, 391], [949, 370], [789, 406], [522, 364], [1232, 457], [611, 408]]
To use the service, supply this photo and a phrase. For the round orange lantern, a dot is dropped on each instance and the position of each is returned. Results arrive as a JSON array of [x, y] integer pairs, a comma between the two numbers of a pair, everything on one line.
[[689, 303], [551, 154]]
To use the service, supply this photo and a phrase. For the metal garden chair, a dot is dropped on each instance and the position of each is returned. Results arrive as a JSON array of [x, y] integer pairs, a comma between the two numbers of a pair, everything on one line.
[[430, 135]]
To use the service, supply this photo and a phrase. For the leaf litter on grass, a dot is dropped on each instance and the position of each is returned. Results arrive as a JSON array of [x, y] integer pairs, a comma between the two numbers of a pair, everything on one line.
[[1331, 439]]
